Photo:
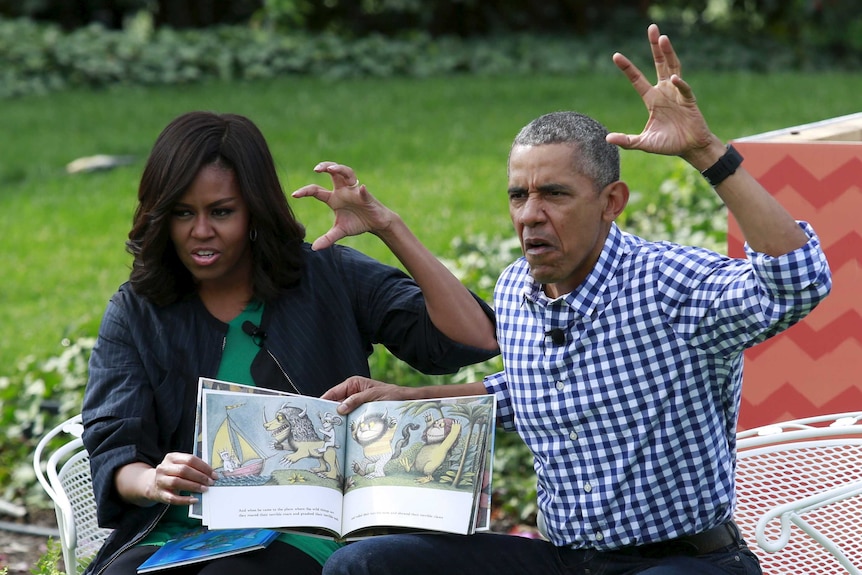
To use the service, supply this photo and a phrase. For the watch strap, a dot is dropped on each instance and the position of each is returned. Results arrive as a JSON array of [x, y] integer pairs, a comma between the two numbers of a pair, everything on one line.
[[724, 167]]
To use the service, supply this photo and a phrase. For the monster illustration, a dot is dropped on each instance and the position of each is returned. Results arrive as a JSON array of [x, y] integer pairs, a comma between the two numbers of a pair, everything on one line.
[[292, 430], [439, 438], [328, 422], [374, 433]]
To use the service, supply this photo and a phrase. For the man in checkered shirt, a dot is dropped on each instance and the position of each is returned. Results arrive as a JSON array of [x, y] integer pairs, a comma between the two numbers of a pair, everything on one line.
[[623, 357]]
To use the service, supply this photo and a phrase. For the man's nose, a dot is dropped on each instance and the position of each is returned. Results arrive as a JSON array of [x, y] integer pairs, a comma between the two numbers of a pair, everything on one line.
[[533, 211]]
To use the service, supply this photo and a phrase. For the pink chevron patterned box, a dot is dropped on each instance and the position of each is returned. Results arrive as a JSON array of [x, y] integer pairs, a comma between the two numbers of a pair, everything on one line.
[[815, 367]]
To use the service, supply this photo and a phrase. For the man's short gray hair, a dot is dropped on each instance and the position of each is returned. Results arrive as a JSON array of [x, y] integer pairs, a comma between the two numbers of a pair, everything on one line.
[[598, 160]]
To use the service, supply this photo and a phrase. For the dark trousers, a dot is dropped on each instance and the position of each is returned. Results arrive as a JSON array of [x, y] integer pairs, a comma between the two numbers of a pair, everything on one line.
[[497, 554]]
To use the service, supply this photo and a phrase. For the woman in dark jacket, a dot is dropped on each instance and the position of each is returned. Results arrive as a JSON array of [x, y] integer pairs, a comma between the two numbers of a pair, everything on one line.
[[223, 286]]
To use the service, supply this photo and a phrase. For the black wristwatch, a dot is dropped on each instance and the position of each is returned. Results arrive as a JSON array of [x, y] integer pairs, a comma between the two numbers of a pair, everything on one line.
[[724, 167]]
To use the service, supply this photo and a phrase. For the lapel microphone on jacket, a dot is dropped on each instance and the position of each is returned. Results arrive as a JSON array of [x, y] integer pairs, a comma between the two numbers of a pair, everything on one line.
[[257, 335]]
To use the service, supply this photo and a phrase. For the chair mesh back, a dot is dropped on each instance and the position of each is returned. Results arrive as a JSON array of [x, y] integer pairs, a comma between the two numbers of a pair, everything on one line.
[[78, 486], [782, 474]]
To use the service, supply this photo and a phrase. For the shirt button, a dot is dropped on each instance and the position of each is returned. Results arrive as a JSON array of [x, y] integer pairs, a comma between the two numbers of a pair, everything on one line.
[[599, 536], [573, 435], [588, 487], [560, 386]]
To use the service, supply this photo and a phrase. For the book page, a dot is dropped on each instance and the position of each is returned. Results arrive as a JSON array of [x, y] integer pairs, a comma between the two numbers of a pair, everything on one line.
[[279, 460], [482, 504], [195, 510], [417, 464], [274, 507], [414, 507]]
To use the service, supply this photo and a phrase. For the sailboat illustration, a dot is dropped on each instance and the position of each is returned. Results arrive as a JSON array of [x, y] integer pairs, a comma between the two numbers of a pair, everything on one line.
[[233, 454]]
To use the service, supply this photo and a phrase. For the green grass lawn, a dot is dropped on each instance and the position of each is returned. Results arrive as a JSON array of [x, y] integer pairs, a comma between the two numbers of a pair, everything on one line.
[[434, 150]]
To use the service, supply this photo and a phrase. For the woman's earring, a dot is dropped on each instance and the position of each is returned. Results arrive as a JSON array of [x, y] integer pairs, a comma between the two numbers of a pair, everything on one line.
[[252, 234]]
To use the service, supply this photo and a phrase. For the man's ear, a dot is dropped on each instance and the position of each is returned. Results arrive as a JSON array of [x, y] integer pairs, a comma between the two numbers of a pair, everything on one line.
[[616, 196]]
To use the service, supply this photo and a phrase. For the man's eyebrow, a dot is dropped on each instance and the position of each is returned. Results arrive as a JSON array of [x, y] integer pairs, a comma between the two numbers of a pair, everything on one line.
[[516, 189], [544, 188], [553, 187]]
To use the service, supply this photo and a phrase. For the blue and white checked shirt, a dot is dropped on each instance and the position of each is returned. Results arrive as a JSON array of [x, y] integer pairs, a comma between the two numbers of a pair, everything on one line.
[[632, 420]]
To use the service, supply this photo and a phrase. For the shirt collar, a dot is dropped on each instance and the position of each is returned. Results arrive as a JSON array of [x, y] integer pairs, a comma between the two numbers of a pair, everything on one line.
[[584, 299]]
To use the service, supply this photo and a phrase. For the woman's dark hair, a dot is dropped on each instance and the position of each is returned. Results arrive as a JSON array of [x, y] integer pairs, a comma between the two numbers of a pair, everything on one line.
[[189, 143]]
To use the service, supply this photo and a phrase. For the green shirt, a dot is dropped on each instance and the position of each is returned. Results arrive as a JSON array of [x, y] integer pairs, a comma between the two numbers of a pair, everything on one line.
[[237, 356]]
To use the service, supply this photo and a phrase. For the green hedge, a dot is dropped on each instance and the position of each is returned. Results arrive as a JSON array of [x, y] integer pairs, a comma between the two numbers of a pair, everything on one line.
[[37, 58]]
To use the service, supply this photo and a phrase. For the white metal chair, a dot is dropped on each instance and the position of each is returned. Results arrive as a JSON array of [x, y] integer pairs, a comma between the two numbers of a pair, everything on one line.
[[64, 473], [799, 494]]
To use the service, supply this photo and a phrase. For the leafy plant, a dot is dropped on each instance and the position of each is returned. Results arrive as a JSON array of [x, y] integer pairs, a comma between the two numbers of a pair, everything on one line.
[[40, 394], [684, 210], [38, 58], [48, 564]]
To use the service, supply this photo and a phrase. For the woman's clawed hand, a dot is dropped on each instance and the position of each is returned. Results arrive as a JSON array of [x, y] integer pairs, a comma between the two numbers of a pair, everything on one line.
[[356, 210]]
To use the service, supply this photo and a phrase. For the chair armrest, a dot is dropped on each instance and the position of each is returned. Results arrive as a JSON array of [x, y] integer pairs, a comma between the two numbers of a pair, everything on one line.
[[791, 513]]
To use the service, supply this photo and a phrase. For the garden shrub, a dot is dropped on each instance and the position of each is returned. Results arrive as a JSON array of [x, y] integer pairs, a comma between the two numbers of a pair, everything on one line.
[[37, 58]]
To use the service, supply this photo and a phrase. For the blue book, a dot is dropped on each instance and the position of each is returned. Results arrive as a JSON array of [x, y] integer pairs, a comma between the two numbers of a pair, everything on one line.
[[205, 545]]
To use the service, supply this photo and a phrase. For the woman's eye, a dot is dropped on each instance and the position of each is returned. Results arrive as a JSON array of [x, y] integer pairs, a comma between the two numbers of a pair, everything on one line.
[[180, 213], [222, 212]]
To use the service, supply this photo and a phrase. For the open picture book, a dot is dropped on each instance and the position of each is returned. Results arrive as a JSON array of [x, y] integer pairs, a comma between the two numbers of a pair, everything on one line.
[[290, 462]]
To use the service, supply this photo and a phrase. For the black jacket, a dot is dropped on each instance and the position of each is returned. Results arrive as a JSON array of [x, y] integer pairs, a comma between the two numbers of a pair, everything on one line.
[[140, 398]]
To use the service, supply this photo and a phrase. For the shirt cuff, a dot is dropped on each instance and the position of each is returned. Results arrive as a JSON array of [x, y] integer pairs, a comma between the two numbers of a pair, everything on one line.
[[794, 271], [496, 385]]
